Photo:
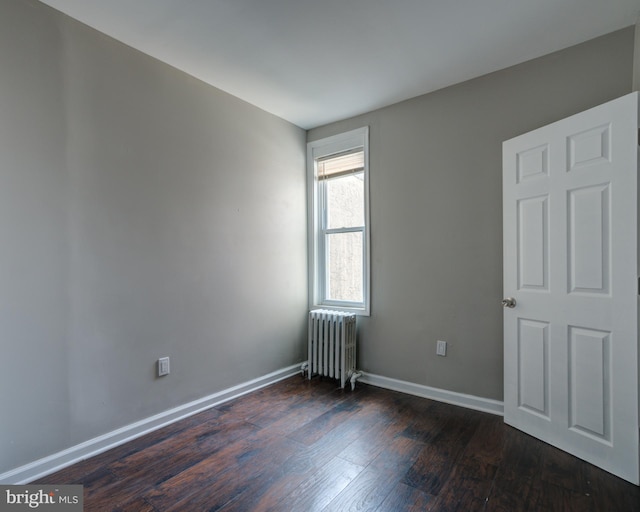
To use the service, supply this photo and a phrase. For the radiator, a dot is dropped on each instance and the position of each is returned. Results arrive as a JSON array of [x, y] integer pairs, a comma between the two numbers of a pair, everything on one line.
[[332, 346]]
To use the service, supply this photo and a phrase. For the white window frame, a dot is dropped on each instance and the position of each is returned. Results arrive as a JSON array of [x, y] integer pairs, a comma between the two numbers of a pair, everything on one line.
[[316, 150]]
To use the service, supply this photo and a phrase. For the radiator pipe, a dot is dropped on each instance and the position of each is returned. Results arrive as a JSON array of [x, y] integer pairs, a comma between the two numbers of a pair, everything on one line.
[[354, 377]]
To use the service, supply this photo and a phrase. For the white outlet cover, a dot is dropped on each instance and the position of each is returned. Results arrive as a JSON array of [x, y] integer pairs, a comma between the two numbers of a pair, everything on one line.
[[441, 348], [163, 366]]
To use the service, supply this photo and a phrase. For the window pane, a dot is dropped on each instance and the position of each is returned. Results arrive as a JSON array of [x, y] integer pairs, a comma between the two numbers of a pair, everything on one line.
[[344, 266], [345, 201]]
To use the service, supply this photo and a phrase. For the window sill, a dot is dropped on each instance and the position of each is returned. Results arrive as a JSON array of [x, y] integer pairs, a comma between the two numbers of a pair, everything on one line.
[[350, 309]]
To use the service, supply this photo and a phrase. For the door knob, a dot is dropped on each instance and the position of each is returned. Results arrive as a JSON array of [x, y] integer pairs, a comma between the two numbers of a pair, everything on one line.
[[509, 302]]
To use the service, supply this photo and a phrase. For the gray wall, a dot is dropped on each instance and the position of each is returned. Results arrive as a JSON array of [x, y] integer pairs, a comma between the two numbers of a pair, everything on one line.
[[142, 214], [436, 210]]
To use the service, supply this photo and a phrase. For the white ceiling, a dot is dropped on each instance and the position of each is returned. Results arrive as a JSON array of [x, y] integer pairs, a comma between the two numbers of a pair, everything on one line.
[[316, 61]]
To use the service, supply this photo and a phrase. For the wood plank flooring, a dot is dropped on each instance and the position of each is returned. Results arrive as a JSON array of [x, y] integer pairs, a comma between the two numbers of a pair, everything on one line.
[[303, 445]]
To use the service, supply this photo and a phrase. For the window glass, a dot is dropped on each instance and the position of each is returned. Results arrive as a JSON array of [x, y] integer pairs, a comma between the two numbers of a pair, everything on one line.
[[345, 201], [344, 266]]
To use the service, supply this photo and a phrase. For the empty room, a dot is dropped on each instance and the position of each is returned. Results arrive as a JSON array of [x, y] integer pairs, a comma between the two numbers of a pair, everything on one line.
[[319, 255]]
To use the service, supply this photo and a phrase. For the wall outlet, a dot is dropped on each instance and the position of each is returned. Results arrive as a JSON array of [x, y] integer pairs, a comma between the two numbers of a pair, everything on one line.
[[441, 348], [163, 366]]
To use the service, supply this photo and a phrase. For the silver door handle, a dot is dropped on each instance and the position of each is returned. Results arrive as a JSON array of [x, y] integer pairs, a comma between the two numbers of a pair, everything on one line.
[[509, 302]]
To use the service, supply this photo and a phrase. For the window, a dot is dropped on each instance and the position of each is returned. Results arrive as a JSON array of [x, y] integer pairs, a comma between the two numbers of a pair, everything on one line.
[[338, 181]]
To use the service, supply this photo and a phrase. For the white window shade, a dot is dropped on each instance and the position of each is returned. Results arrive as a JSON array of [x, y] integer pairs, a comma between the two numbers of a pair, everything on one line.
[[340, 165]]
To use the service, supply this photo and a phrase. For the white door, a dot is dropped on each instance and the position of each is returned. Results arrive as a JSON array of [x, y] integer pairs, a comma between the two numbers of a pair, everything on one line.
[[571, 265]]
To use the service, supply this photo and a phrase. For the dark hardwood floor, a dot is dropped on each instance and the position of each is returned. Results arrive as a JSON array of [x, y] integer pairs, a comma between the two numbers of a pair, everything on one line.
[[303, 445]]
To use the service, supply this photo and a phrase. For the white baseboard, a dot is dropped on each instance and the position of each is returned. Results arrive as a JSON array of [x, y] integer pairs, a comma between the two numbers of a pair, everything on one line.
[[441, 395], [57, 461]]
